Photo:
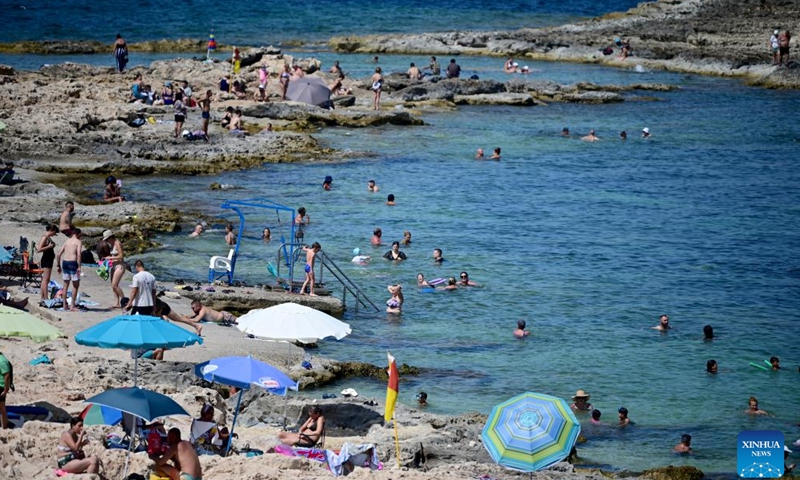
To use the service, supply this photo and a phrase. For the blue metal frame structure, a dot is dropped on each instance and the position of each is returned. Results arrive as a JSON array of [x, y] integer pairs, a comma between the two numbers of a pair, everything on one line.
[[237, 205]]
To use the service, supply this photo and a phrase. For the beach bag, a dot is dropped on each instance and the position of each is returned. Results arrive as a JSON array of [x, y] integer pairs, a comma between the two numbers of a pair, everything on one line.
[[608, 51], [102, 272], [137, 122]]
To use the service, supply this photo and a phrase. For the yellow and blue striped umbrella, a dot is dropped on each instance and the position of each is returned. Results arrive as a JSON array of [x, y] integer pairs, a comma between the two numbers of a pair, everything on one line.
[[530, 432]]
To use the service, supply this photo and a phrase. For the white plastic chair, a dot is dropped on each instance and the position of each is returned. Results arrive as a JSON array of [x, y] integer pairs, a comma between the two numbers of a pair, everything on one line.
[[219, 267]]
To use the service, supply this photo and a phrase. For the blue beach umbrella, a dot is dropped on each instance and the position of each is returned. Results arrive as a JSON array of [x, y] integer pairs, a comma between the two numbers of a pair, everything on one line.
[[137, 333], [145, 404], [242, 373], [100, 415], [530, 432]]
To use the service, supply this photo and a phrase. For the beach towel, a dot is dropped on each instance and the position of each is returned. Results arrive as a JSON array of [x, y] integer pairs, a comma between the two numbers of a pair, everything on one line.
[[350, 455], [102, 272]]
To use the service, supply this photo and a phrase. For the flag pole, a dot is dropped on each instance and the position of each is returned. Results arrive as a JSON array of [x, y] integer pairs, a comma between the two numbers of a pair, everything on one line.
[[396, 442]]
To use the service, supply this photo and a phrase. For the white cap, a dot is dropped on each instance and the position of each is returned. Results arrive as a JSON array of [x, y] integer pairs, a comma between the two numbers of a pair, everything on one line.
[[646, 130], [776, 32], [349, 392], [515, 64]]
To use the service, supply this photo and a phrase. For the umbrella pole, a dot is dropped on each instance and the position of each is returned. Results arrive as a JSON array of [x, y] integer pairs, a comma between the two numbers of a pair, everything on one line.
[[233, 425], [130, 446]]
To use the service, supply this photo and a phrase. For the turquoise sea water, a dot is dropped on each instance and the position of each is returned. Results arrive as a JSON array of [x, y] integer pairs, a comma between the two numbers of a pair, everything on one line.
[[589, 243]]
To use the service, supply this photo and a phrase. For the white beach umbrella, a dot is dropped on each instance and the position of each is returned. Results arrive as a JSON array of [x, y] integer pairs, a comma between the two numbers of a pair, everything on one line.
[[292, 322]]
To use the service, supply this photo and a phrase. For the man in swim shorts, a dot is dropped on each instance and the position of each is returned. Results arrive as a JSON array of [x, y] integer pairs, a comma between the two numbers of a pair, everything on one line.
[[183, 456], [311, 257], [205, 105], [208, 314], [69, 266], [65, 222]]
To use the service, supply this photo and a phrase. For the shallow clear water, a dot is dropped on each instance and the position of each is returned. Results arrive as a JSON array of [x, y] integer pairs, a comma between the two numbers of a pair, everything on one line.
[[589, 243]]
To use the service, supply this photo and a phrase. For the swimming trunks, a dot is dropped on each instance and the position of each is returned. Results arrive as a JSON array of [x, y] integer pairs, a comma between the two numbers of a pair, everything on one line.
[[206, 115], [227, 318], [308, 268], [69, 270], [186, 476]]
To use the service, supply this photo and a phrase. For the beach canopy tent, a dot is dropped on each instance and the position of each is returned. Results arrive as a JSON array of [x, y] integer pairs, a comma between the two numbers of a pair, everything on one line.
[[530, 432], [243, 373], [237, 206], [137, 333], [19, 323], [311, 90]]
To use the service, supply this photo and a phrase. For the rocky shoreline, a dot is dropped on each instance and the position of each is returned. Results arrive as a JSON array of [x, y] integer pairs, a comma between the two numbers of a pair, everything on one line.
[[707, 37]]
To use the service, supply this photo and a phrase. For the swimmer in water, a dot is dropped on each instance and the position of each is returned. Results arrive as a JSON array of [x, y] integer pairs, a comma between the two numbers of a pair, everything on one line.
[[685, 446], [591, 137], [230, 237], [390, 200], [708, 332], [311, 257], [775, 362], [479, 154], [623, 417], [520, 332], [465, 281], [406, 238], [395, 254], [266, 235], [301, 217], [496, 154], [422, 399], [421, 282], [437, 256], [451, 284], [623, 135], [565, 132], [711, 366], [753, 408], [328, 183], [646, 133], [360, 259], [596, 417], [663, 324], [372, 187], [581, 402], [376, 236], [198, 230], [395, 304]]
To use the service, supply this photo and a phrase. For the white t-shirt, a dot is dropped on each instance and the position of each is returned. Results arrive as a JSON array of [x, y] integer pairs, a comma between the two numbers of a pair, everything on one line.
[[146, 283]]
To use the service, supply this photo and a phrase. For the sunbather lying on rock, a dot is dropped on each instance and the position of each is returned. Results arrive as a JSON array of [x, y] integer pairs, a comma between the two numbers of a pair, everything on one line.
[[208, 314]]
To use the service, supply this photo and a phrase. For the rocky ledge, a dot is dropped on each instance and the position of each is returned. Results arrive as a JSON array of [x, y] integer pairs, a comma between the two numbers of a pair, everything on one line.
[[712, 37]]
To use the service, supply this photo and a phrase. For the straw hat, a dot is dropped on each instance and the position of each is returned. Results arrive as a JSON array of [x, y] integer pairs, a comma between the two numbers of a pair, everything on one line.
[[581, 394], [107, 234]]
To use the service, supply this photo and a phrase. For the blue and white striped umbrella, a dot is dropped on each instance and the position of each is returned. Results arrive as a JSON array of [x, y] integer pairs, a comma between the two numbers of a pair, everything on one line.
[[530, 432]]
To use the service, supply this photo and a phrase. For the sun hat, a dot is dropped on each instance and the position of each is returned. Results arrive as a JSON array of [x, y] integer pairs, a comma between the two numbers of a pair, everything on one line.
[[349, 392], [356, 251], [646, 130], [775, 32], [107, 234], [581, 394]]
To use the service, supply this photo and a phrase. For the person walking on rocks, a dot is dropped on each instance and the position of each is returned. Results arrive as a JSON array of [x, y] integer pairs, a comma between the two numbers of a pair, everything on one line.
[[377, 86], [65, 222], [120, 53], [783, 47], [773, 45], [143, 293], [69, 266], [205, 106]]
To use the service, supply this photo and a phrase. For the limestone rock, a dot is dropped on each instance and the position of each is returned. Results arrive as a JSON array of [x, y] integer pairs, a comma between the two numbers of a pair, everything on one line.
[[674, 473], [521, 99]]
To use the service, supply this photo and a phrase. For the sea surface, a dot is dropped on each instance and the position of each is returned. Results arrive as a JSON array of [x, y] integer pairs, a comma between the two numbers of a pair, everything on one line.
[[588, 242]]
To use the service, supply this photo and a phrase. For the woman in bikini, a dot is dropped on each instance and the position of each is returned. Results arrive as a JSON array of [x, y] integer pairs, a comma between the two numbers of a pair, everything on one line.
[[71, 458], [310, 432], [116, 264], [377, 85], [47, 247], [395, 304], [286, 75]]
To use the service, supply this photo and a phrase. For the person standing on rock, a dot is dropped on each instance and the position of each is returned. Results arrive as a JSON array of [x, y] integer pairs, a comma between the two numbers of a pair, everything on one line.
[[783, 47], [180, 112], [48, 248], [120, 53], [205, 106], [286, 75], [69, 266], [65, 222], [377, 86], [143, 292], [773, 45], [453, 70]]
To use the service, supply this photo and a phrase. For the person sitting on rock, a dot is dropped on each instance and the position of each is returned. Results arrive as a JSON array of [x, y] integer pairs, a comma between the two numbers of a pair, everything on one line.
[[226, 119], [239, 89], [113, 191], [137, 89], [310, 432], [236, 122], [413, 72]]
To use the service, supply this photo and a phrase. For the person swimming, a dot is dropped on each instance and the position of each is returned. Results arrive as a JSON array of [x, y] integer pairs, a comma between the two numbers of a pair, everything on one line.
[[708, 332], [711, 366], [395, 304], [520, 332], [421, 282]]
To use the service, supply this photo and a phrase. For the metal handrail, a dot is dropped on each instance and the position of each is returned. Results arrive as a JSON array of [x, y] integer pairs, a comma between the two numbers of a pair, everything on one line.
[[326, 262]]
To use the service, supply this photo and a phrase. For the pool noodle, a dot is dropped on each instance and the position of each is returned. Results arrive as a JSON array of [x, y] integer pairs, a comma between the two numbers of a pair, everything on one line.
[[769, 364], [753, 364], [437, 281]]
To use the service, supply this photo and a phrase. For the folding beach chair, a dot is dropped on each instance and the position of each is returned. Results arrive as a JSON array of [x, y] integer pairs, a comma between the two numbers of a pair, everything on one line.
[[31, 273]]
